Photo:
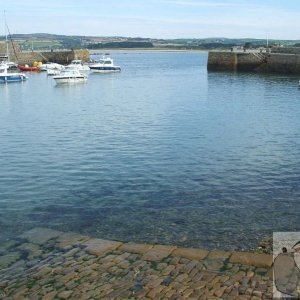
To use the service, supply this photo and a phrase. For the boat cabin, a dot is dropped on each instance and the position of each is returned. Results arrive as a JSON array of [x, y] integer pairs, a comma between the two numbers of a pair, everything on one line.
[[3, 68], [76, 62], [106, 61]]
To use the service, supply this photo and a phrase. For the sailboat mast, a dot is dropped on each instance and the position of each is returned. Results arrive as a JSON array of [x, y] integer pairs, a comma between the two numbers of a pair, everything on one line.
[[6, 37]]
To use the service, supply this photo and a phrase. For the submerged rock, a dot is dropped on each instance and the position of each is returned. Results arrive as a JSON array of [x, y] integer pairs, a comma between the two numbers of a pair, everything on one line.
[[8, 259], [40, 235], [265, 245]]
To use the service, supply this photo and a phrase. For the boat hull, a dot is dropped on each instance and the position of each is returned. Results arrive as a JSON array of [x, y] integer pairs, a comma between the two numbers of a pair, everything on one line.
[[70, 80], [53, 72], [105, 69], [12, 78], [51, 66], [28, 69], [79, 69]]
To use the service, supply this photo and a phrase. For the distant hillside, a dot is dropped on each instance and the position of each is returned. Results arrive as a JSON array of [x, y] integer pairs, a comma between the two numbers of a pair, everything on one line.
[[46, 41], [125, 44]]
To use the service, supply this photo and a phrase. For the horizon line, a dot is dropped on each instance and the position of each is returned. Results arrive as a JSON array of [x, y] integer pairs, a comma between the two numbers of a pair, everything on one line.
[[154, 38]]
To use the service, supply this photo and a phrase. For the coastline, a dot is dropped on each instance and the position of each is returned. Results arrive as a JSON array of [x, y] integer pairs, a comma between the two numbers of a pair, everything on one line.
[[145, 50], [49, 264]]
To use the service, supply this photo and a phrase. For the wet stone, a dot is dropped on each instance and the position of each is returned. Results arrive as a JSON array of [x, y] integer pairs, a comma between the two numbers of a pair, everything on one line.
[[136, 248], [71, 253], [189, 266], [168, 270], [158, 252], [184, 260], [263, 287], [40, 235], [257, 294], [214, 264], [137, 287], [65, 294], [190, 253], [220, 291], [181, 277], [252, 259], [155, 292], [8, 259], [113, 273], [250, 274], [222, 255], [167, 281], [187, 293], [70, 239], [99, 247], [5, 246], [161, 266], [33, 250]]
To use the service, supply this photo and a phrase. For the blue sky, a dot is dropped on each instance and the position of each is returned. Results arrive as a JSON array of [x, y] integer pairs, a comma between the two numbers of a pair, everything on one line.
[[156, 18]]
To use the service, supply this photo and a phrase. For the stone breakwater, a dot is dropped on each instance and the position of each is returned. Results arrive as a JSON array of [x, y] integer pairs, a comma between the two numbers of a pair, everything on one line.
[[61, 57], [48, 264], [254, 61]]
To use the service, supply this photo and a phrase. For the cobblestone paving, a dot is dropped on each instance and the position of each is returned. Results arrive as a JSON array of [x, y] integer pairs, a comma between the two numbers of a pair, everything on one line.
[[47, 264]]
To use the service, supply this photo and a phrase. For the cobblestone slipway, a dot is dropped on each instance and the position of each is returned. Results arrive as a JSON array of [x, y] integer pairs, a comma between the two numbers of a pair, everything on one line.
[[47, 264]]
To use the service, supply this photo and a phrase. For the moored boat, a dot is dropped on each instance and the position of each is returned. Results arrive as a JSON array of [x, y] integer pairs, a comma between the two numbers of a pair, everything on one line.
[[78, 64], [6, 77], [70, 76], [27, 68], [52, 72], [105, 65], [5, 59], [51, 66]]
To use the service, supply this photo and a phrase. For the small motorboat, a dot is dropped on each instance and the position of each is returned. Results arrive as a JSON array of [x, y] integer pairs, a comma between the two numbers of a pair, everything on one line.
[[77, 64], [6, 77], [70, 76], [27, 68], [11, 65], [53, 72], [51, 66], [105, 65]]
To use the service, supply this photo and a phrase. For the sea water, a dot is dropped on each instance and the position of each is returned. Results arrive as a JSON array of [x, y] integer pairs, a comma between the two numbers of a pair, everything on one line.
[[162, 152]]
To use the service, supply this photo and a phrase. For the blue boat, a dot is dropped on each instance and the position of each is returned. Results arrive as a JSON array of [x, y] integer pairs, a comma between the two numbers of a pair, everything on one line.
[[6, 77], [105, 65]]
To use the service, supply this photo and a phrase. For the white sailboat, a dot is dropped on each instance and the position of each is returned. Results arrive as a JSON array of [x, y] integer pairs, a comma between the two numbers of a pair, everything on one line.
[[6, 64], [5, 59]]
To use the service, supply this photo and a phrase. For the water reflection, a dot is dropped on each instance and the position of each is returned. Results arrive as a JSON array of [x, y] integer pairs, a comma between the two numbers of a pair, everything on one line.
[[161, 152]]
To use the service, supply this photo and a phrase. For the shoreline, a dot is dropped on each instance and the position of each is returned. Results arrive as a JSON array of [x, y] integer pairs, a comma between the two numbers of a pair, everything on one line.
[[145, 50], [49, 264]]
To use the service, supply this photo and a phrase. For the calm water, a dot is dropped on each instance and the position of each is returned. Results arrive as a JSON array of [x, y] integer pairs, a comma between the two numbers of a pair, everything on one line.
[[162, 152]]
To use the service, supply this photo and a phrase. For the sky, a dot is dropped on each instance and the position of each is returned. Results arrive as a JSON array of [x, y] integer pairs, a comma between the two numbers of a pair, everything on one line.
[[275, 19]]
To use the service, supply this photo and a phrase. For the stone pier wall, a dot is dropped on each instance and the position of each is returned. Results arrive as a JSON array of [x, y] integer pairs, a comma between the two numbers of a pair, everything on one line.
[[222, 61], [282, 63], [254, 62], [61, 57], [286, 50]]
